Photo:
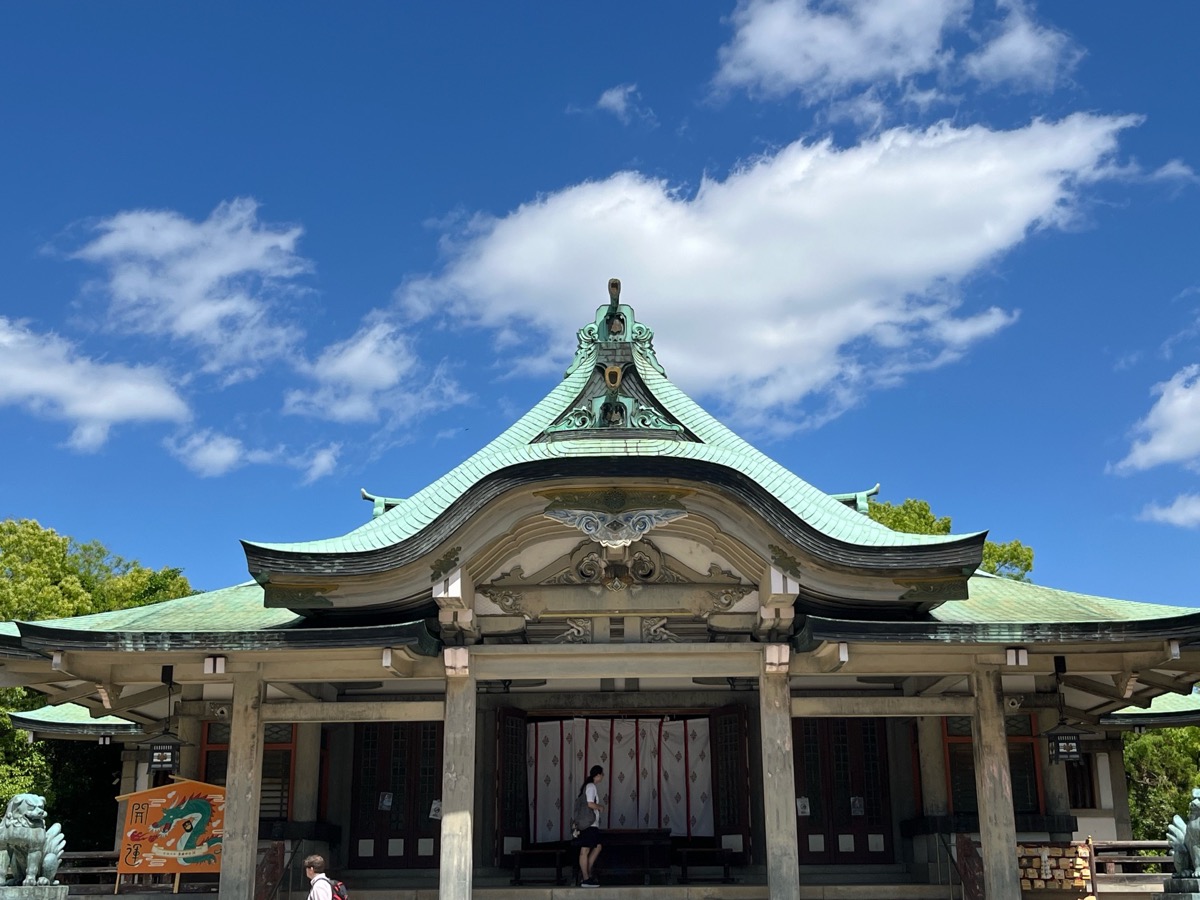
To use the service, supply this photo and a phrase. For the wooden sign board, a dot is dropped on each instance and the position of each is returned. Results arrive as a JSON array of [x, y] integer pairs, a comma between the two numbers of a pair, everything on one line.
[[173, 829]]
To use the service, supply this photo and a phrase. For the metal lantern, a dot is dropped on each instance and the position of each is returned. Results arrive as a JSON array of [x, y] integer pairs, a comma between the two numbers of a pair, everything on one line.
[[164, 752], [1064, 743]]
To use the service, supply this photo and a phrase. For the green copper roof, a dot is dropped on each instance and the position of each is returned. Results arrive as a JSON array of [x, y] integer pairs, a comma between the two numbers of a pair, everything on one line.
[[232, 609], [1165, 709], [564, 425], [236, 614], [1000, 610], [48, 718], [994, 599]]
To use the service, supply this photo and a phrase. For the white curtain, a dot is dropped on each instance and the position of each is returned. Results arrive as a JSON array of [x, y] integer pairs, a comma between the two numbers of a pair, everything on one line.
[[658, 774]]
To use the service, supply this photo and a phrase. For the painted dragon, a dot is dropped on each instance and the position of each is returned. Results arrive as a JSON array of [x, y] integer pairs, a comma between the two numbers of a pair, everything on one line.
[[195, 845]]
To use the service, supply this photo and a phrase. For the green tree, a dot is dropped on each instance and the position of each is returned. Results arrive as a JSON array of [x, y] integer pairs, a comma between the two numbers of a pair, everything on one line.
[[1161, 770], [1012, 560], [46, 575]]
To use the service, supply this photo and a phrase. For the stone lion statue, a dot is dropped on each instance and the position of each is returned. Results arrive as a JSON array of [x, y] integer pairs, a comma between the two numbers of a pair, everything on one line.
[[27, 847], [1184, 838]]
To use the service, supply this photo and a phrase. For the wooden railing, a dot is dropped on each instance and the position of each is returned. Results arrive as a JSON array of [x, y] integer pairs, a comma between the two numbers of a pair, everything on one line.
[[1124, 864]]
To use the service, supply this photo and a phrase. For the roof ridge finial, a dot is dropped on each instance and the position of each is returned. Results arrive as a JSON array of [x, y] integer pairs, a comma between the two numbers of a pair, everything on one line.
[[614, 292]]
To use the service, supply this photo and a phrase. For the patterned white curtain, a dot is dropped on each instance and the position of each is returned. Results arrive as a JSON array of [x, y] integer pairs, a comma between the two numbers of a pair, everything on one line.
[[658, 774]]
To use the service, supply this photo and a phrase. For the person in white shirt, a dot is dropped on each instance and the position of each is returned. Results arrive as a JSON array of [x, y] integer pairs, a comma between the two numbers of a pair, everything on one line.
[[589, 838], [314, 868]]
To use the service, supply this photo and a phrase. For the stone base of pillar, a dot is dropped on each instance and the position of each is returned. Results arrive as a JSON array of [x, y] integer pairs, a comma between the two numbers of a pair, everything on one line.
[[37, 892]]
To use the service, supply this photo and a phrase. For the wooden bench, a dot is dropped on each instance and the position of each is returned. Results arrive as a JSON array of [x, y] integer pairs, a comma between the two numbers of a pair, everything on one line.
[[704, 856], [637, 855], [540, 856], [640, 855]]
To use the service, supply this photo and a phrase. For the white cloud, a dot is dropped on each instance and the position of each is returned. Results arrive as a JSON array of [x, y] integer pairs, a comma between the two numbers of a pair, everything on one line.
[[1170, 432], [46, 375], [811, 274], [825, 49], [1184, 512], [207, 453], [322, 462], [370, 376], [623, 101], [1023, 54], [211, 454], [213, 285]]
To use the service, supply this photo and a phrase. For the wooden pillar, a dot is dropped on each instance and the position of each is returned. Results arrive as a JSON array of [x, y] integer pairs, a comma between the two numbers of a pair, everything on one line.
[[928, 849], [242, 788], [993, 788], [129, 768], [307, 777], [935, 798], [779, 785], [1120, 790], [458, 788], [191, 731], [1054, 775]]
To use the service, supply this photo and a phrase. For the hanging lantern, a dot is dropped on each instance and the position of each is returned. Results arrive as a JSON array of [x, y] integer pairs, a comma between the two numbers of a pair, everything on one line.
[[164, 748], [164, 752], [1064, 743], [1063, 740]]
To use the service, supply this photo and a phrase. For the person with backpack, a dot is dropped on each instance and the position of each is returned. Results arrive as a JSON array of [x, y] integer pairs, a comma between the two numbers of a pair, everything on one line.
[[589, 836], [322, 886]]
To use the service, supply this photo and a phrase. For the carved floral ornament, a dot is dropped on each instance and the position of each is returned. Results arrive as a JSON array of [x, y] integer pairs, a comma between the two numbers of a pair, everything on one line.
[[615, 518], [591, 565]]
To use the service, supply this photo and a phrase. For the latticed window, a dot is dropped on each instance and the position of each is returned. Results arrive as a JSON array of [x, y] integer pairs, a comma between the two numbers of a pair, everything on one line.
[[279, 748], [1022, 765]]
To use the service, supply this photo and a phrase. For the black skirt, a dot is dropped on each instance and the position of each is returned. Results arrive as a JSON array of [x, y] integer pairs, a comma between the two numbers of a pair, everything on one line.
[[589, 837]]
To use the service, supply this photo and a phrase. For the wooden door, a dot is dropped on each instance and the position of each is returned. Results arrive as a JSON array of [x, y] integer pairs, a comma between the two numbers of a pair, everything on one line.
[[843, 802], [512, 784], [397, 777], [731, 780]]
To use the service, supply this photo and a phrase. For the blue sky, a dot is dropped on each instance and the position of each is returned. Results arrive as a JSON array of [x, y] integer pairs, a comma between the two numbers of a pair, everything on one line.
[[254, 257]]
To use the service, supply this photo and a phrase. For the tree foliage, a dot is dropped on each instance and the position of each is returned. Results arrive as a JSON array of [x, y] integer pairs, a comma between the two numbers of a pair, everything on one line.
[[1161, 770], [1011, 560], [46, 575]]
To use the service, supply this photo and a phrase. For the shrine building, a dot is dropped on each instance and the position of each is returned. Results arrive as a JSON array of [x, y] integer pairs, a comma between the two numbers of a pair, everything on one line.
[[781, 691]]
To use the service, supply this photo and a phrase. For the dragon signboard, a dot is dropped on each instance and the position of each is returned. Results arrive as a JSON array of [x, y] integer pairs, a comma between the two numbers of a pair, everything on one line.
[[173, 829]]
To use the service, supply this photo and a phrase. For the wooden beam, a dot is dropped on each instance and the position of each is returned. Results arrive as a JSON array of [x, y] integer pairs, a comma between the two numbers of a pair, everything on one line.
[[397, 662], [942, 685], [355, 711], [1107, 691], [32, 679], [1165, 682], [1089, 717], [293, 690], [513, 661], [842, 707], [153, 695], [72, 693]]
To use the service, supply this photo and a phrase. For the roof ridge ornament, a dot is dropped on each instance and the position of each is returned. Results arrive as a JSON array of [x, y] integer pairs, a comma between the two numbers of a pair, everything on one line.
[[615, 325]]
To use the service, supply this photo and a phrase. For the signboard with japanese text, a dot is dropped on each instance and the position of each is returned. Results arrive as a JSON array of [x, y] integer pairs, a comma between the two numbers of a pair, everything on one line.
[[176, 828]]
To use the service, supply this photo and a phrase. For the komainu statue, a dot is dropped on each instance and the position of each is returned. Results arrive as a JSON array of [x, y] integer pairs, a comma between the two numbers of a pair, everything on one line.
[[1184, 838], [27, 847]]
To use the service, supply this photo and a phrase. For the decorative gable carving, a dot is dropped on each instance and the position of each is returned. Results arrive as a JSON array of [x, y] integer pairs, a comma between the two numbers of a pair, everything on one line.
[[615, 517], [637, 579]]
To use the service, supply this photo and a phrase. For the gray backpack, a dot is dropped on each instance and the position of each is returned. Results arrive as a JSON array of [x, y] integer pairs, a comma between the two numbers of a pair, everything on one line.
[[582, 815]]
